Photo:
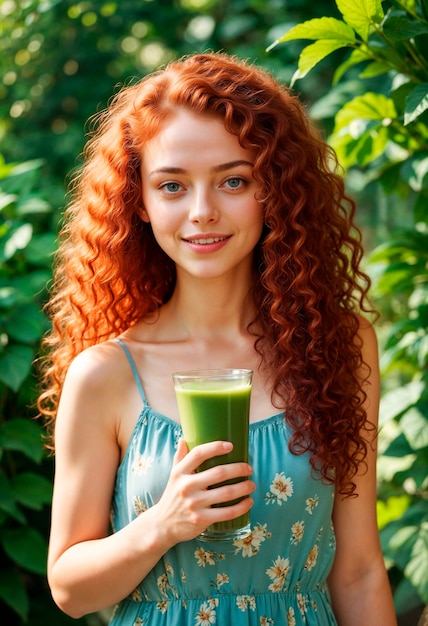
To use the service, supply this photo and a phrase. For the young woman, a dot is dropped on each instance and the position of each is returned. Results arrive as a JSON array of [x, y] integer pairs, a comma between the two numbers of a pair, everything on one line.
[[208, 229]]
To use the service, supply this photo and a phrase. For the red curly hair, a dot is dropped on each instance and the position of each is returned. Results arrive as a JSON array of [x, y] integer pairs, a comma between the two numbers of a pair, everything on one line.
[[110, 271]]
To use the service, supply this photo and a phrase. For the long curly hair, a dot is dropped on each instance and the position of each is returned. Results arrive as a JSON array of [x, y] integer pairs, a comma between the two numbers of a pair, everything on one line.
[[110, 271]]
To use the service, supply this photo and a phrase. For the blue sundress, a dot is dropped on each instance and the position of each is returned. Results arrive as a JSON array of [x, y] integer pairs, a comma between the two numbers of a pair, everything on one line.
[[274, 577]]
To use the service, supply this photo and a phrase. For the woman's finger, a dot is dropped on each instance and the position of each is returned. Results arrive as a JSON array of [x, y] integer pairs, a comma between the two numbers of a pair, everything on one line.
[[199, 454]]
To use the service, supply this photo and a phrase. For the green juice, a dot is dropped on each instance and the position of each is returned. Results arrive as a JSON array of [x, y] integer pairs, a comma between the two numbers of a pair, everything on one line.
[[217, 410]]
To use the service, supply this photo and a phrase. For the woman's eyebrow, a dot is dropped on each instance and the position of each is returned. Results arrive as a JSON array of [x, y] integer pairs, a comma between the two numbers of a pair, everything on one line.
[[229, 165], [169, 169]]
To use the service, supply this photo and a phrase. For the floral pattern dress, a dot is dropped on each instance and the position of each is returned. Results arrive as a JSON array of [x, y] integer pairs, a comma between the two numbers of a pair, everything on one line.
[[274, 577]]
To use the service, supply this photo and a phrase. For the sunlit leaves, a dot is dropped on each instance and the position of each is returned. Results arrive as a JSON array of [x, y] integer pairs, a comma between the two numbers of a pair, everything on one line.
[[361, 15], [361, 131], [416, 103]]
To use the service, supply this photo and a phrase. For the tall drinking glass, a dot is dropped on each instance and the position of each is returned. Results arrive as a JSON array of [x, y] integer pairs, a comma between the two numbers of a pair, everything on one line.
[[214, 405]]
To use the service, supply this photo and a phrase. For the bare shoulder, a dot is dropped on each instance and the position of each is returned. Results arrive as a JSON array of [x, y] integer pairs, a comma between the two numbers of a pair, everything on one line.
[[369, 342], [96, 364], [93, 384], [366, 329]]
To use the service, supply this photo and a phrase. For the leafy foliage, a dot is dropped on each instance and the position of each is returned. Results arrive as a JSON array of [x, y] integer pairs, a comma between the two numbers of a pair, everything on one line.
[[383, 133], [60, 62], [24, 271]]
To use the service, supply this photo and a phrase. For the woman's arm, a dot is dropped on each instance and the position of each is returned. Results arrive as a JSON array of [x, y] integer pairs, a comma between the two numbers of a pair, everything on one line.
[[358, 582], [88, 569]]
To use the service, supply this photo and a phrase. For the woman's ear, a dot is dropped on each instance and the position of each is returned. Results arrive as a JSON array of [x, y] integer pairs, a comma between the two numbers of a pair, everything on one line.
[[144, 215]]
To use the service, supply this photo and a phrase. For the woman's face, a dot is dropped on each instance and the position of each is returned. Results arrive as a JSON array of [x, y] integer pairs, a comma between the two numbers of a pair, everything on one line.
[[199, 195]]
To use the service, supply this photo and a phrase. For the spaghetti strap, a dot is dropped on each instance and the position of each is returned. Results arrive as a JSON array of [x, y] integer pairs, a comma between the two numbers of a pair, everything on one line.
[[134, 369]]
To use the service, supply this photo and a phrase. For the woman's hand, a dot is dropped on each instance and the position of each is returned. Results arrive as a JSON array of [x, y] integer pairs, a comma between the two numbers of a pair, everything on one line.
[[186, 506]]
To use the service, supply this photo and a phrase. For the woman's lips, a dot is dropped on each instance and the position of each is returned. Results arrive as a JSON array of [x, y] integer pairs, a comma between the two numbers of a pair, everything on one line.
[[207, 243]]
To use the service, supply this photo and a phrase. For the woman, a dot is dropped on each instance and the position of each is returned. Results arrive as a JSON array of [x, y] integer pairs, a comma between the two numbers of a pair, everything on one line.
[[207, 229]]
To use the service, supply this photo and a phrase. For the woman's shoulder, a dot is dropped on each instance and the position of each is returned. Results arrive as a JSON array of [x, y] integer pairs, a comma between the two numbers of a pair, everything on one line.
[[366, 333], [101, 366]]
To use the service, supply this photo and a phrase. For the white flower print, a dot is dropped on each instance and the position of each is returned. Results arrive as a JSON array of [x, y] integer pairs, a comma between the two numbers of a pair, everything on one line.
[[332, 540], [246, 602], [142, 464], [139, 505], [278, 573], [207, 557], [290, 617], [207, 613], [312, 558], [311, 503], [183, 576], [281, 489], [250, 545], [302, 602], [164, 584], [162, 606], [136, 595], [297, 532], [139, 621], [265, 621], [220, 579]]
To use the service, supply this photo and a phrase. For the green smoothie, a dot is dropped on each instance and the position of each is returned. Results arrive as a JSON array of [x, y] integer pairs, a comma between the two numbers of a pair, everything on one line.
[[217, 410]]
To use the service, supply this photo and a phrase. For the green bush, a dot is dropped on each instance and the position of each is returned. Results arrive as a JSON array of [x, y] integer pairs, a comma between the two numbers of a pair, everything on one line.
[[380, 131], [25, 473]]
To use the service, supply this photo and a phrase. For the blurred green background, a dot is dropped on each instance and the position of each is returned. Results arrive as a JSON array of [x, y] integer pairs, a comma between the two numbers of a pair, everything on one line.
[[363, 74]]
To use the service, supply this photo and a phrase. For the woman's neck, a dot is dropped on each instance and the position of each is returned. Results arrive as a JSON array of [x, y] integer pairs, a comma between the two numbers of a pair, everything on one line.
[[211, 307]]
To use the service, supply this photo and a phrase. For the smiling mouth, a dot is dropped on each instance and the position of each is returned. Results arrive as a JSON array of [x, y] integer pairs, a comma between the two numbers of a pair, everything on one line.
[[208, 240]]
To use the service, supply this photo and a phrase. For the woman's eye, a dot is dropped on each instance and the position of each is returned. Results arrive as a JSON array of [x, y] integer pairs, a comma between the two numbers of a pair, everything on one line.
[[171, 187], [235, 182]]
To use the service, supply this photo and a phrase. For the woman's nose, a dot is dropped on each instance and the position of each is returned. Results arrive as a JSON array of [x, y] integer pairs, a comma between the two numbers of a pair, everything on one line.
[[203, 208]]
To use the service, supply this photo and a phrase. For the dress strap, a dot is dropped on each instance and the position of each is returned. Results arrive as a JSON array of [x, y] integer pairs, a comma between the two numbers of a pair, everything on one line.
[[134, 369]]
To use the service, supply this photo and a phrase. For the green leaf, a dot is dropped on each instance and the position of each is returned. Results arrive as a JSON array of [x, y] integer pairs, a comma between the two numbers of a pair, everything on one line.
[[313, 54], [26, 547], [392, 509], [357, 56], [6, 199], [33, 205], [361, 130], [370, 106], [420, 210], [416, 569], [361, 14], [15, 365], [31, 490], [377, 68], [399, 28], [26, 324], [13, 592], [415, 427], [415, 171], [17, 238], [7, 500], [400, 541], [41, 248], [22, 435], [416, 103], [364, 142], [398, 449], [324, 28], [405, 597], [408, 243], [395, 402]]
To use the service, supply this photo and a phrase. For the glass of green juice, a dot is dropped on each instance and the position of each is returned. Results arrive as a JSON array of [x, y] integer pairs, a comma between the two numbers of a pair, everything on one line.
[[214, 405]]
